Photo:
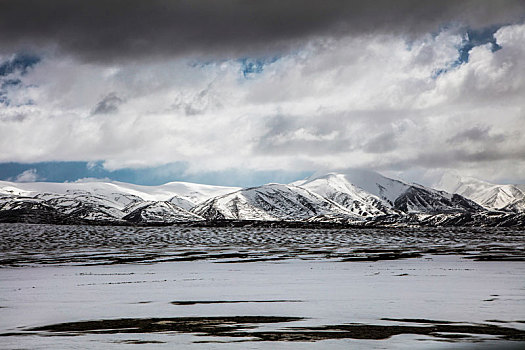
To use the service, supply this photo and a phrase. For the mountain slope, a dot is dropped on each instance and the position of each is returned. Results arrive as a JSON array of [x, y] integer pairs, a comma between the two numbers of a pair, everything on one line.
[[105, 202], [158, 213], [29, 210], [375, 194], [338, 189], [270, 202], [518, 206], [486, 194], [356, 197], [182, 193]]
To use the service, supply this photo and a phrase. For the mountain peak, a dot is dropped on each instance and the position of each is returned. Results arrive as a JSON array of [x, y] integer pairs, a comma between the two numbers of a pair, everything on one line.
[[366, 192], [452, 182], [489, 195]]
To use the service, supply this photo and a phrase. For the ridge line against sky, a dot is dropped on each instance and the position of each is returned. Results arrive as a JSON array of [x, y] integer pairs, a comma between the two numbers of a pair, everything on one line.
[[245, 93]]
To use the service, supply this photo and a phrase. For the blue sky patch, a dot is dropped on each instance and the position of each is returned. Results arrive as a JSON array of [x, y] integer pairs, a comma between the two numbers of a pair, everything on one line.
[[473, 38], [19, 63], [4, 85], [477, 38], [253, 66], [72, 171], [9, 83]]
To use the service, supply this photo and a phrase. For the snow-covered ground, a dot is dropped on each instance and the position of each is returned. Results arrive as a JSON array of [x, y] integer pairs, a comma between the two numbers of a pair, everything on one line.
[[443, 288]]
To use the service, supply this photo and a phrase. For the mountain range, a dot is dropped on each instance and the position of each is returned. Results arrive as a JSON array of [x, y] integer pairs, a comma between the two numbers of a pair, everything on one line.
[[353, 197]]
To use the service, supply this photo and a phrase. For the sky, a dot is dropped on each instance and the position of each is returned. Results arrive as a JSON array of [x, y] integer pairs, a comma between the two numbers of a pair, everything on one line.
[[244, 93]]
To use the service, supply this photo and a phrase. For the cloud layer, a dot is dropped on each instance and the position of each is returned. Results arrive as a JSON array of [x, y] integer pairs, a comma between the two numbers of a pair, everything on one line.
[[112, 30], [344, 84]]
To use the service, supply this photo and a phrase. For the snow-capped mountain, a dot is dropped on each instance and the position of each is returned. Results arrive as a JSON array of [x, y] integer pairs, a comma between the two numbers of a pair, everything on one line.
[[486, 194], [185, 193], [108, 202], [270, 202], [337, 188], [368, 193], [88, 206], [351, 197]]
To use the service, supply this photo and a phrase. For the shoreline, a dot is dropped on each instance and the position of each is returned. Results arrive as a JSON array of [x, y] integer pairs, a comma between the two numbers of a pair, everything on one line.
[[511, 221]]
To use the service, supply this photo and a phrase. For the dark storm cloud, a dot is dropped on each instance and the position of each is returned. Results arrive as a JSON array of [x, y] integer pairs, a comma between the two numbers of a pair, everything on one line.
[[108, 105], [102, 30]]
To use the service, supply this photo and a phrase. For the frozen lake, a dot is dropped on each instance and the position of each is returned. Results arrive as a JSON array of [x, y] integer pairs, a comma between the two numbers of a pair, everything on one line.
[[91, 287]]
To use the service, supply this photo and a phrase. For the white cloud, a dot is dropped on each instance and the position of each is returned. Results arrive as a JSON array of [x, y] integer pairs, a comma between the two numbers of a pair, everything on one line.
[[29, 175], [372, 101]]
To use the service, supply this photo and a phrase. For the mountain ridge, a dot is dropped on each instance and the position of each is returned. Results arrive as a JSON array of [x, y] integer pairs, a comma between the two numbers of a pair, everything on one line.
[[353, 197]]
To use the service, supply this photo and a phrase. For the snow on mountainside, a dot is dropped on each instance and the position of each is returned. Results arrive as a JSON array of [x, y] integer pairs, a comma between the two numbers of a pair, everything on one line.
[[373, 194], [374, 183], [158, 213], [180, 192], [186, 192], [486, 194], [337, 188], [516, 206], [29, 210], [86, 205], [356, 197], [270, 202], [107, 202]]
